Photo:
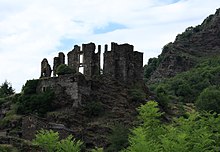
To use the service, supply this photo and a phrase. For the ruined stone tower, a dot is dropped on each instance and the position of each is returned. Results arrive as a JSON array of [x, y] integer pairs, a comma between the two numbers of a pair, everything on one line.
[[45, 69], [123, 63]]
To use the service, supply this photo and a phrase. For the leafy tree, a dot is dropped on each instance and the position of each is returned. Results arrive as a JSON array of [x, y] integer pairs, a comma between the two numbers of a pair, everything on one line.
[[36, 103], [31, 102], [187, 86], [209, 99], [30, 87], [198, 132], [6, 89], [69, 145], [118, 138], [49, 141]]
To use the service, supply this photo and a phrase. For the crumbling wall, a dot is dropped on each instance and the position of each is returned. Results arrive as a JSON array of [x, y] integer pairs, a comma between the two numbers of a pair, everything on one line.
[[58, 61], [91, 60], [45, 69], [73, 86], [74, 58], [123, 64]]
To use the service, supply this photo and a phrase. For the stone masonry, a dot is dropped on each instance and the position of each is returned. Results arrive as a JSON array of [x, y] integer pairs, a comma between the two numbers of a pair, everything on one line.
[[121, 62]]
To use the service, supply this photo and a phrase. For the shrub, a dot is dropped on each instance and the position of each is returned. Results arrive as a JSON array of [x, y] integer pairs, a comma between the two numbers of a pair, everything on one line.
[[196, 132], [137, 94], [209, 99], [30, 87], [118, 138], [69, 145], [36, 103], [49, 141], [93, 109]]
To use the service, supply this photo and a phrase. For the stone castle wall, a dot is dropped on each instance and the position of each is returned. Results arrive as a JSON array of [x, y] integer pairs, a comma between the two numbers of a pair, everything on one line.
[[121, 62]]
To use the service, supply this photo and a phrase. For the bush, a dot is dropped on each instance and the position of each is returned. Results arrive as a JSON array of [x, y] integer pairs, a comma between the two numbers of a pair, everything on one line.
[[187, 86], [64, 69], [36, 103], [118, 138], [30, 87], [209, 99], [137, 94], [49, 141], [197, 132], [93, 109]]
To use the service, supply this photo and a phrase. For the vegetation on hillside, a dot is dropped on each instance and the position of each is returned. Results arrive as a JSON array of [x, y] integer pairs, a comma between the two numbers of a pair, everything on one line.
[[6, 89], [64, 69], [197, 132], [199, 85], [32, 102]]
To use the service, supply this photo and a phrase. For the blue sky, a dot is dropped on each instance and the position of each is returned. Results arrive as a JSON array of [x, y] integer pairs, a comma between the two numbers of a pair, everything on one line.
[[33, 30]]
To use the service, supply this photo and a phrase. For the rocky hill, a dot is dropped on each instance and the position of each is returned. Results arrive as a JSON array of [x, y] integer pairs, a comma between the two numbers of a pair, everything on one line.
[[188, 49]]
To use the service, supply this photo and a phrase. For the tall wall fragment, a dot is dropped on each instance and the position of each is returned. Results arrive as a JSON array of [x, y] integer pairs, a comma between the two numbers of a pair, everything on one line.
[[123, 64], [45, 69], [58, 61]]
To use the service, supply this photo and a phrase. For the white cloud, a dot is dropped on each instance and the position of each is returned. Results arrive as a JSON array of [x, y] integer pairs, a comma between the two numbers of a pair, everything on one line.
[[32, 30]]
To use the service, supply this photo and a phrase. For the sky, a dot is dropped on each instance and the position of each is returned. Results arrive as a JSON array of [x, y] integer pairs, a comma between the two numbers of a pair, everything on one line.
[[33, 30]]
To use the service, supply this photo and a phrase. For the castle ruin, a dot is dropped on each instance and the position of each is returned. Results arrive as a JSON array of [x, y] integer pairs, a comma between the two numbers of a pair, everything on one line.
[[121, 63]]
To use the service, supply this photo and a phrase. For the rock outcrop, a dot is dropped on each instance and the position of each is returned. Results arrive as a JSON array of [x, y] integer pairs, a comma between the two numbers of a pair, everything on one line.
[[188, 49]]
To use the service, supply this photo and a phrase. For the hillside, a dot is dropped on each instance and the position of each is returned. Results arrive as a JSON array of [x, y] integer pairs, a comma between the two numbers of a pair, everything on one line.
[[112, 108], [188, 49]]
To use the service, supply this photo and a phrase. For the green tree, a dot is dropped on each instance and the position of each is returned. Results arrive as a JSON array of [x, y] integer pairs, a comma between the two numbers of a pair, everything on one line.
[[49, 141], [118, 138], [69, 145], [6, 89], [145, 137], [199, 132], [209, 99]]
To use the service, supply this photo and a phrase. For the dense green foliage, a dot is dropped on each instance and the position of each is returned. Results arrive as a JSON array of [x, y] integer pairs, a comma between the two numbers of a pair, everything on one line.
[[30, 87], [187, 86], [64, 69], [32, 102], [198, 132], [118, 138], [6, 89], [209, 99], [49, 141], [93, 108], [137, 94]]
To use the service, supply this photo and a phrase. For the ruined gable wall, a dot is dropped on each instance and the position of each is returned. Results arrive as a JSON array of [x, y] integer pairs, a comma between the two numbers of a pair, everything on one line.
[[74, 59], [123, 64]]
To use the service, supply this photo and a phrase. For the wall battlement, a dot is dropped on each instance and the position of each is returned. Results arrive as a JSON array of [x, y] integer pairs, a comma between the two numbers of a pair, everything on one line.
[[121, 62]]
